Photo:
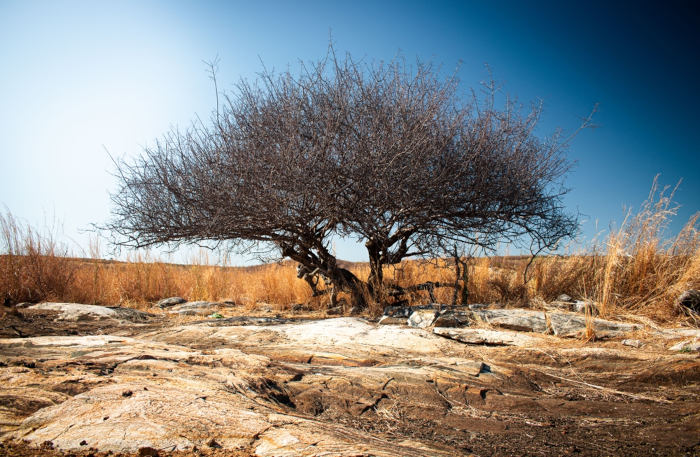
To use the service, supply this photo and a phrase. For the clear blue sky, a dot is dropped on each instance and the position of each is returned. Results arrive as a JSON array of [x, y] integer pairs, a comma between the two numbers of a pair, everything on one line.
[[79, 77]]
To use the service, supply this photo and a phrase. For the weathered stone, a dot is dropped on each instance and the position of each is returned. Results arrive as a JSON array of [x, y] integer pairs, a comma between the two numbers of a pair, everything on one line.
[[76, 311], [389, 320], [574, 324], [79, 311], [453, 319], [132, 315], [564, 298], [632, 343], [514, 319], [195, 308], [491, 337], [422, 318], [309, 388], [172, 301], [557, 322]]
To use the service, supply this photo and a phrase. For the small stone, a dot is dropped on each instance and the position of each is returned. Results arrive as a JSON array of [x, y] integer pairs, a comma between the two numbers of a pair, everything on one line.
[[213, 444], [422, 318], [565, 298], [83, 443], [632, 343], [172, 301], [127, 393]]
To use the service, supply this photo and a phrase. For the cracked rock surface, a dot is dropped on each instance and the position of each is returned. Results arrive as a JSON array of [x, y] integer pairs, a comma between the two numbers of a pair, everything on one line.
[[340, 387]]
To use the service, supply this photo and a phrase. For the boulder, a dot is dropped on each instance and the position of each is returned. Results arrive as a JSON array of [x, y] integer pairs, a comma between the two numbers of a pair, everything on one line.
[[172, 301]]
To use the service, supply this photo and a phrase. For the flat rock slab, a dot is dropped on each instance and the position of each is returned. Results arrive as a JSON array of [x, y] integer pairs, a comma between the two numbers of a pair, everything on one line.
[[390, 320], [172, 301], [79, 311], [490, 337], [246, 320], [148, 394], [195, 308], [558, 323]]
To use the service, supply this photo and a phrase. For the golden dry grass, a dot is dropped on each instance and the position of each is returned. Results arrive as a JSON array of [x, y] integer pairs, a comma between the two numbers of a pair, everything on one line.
[[636, 270]]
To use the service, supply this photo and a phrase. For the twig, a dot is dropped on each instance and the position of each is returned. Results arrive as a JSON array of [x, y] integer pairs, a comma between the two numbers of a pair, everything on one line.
[[604, 389]]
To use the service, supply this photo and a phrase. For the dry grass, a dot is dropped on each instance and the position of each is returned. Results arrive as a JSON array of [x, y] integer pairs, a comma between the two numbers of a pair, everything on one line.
[[636, 270]]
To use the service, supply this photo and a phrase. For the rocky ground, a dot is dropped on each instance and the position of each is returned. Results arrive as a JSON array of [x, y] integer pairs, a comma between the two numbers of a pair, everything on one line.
[[81, 380]]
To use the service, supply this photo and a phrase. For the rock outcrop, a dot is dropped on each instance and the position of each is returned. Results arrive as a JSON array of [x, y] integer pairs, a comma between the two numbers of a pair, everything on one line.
[[267, 386]]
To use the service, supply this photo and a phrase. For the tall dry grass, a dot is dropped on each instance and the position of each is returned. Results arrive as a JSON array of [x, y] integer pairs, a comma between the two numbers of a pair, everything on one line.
[[637, 269], [34, 265]]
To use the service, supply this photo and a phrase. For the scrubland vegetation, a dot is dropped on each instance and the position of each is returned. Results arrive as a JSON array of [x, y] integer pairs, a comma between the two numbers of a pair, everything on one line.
[[635, 269]]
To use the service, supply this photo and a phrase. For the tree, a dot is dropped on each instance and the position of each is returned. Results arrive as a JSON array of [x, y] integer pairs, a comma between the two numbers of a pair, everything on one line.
[[391, 156]]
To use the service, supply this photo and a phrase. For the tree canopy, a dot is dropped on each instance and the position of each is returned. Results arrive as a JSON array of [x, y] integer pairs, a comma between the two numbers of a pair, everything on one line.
[[389, 154]]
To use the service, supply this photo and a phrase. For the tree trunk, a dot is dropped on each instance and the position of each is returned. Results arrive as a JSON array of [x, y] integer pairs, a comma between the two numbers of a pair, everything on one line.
[[375, 281]]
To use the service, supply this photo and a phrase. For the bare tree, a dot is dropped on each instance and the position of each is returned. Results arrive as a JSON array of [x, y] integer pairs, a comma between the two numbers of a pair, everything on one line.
[[390, 155]]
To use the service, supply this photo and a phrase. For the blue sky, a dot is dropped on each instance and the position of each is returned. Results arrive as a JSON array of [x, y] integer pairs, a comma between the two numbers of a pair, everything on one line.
[[81, 77]]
